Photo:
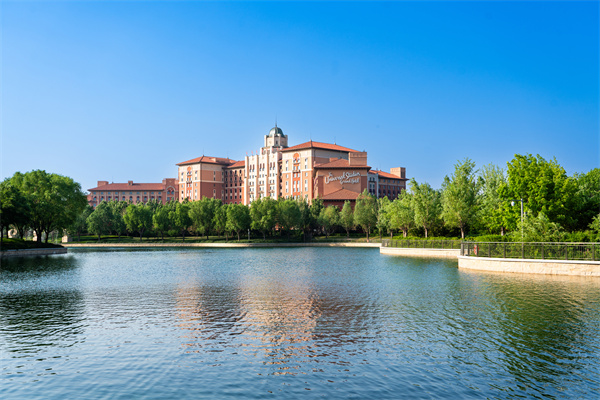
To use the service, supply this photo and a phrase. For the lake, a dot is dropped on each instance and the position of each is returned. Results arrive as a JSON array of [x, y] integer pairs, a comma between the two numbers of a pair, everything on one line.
[[289, 323]]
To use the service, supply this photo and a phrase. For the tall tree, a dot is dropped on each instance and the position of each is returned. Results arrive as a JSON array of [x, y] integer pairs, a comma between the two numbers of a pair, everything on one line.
[[202, 213], [402, 216], [99, 222], [14, 208], [80, 224], [263, 213], [459, 197], [365, 212], [55, 200], [426, 205], [587, 198], [220, 220], [384, 216], [329, 219], [238, 218], [544, 187], [161, 221], [288, 215], [118, 210], [347, 218], [492, 213], [180, 218], [138, 218]]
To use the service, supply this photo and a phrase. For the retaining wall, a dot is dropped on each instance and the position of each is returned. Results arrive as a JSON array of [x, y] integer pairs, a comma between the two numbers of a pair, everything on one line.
[[32, 252], [549, 267], [226, 245], [437, 253]]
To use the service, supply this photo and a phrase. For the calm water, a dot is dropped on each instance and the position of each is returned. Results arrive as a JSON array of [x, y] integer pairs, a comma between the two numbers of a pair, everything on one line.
[[290, 323]]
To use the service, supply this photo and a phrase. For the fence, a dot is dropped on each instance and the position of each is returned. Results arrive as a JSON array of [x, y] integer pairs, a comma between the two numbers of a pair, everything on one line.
[[532, 250], [422, 244]]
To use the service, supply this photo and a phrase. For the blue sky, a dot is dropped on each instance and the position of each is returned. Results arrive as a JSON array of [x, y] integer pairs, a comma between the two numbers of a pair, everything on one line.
[[123, 91]]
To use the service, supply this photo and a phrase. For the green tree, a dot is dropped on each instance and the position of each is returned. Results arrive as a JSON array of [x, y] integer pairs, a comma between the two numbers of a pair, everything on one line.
[[55, 200], [587, 198], [180, 218], [161, 220], [544, 187], [99, 222], [493, 207], [365, 212], [263, 213], [306, 219], [539, 229], [138, 218], [315, 211], [288, 215], [384, 216], [459, 197], [402, 216], [80, 224], [202, 213], [595, 226], [118, 223], [426, 205], [347, 217], [329, 219], [238, 218], [220, 220], [14, 208]]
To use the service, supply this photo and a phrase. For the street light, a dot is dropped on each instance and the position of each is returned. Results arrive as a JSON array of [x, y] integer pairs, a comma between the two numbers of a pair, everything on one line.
[[512, 203]]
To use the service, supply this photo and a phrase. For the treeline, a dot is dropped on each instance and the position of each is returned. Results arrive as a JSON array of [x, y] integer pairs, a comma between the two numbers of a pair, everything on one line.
[[265, 217], [471, 202], [555, 207]]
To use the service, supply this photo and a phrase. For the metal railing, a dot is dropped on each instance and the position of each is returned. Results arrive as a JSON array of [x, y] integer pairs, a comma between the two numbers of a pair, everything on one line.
[[532, 250], [422, 244]]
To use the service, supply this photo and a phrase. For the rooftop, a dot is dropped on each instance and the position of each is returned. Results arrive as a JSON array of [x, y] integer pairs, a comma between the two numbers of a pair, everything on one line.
[[340, 163], [130, 187], [386, 175], [319, 145], [209, 160], [342, 194]]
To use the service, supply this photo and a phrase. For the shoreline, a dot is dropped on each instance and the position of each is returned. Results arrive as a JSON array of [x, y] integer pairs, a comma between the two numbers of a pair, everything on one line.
[[221, 245]]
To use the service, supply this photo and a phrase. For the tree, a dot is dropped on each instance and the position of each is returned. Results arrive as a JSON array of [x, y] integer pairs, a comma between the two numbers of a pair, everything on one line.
[[347, 217], [288, 215], [306, 221], [55, 200], [118, 224], [384, 216], [180, 219], [493, 207], [315, 212], [220, 220], [365, 211], [138, 218], [544, 187], [426, 205], [99, 222], [329, 219], [595, 226], [14, 208], [459, 197], [238, 218], [161, 221], [402, 216], [540, 229], [263, 213], [587, 198], [80, 224], [202, 213]]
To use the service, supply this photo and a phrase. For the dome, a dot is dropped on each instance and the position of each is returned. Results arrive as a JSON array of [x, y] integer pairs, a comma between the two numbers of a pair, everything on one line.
[[276, 131]]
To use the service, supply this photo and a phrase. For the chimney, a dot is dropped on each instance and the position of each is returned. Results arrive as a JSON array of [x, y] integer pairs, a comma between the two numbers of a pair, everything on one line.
[[400, 172], [130, 183], [102, 183]]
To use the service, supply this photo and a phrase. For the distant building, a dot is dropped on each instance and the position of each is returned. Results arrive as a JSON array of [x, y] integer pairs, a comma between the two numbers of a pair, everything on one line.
[[305, 171], [134, 193], [382, 184]]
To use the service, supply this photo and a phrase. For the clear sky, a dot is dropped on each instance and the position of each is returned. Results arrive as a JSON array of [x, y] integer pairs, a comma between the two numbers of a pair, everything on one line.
[[123, 91]]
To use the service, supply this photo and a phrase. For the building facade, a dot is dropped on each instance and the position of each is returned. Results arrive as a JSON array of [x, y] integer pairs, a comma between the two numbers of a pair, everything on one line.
[[134, 193], [305, 171]]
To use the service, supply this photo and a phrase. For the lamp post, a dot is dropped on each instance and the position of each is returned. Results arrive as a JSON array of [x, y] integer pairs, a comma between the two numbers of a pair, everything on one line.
[[512, 203]]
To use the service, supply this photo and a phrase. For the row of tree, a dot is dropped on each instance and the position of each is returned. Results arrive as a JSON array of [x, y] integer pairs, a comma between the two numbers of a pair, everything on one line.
[[210, 216], [489, 200], [470, 201]]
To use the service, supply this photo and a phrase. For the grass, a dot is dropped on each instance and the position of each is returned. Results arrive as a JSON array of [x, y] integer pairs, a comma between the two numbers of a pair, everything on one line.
[[20, 244]]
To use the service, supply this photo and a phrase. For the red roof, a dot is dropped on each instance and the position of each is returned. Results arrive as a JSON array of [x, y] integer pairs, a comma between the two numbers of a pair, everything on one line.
[[342, 194], [209, 160], [127, 187], [386, 175], [239, 164], [319, 145], [341, 163]]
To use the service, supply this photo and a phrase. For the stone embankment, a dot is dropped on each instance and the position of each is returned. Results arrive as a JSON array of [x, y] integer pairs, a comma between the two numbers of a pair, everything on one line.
[[33, 252], [213, 245], [548, 267], [410, 252]]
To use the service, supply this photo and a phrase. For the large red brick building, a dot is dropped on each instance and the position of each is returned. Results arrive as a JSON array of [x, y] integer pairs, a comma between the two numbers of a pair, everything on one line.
[[134, 193], [305, 171]]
